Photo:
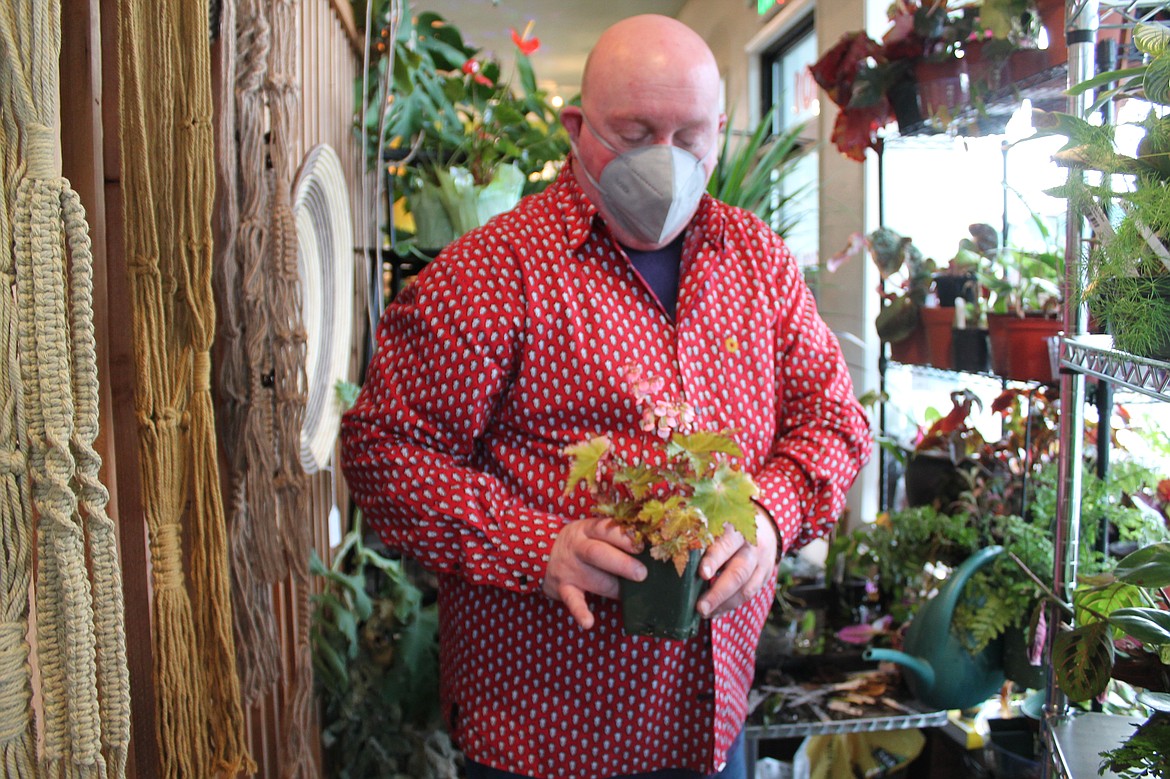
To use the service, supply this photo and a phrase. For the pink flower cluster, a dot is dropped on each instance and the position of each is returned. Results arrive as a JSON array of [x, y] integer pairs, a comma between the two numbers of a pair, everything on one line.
[[661, 417]]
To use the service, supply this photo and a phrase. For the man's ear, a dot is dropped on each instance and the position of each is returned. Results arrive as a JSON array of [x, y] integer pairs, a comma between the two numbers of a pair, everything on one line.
[[571, 119]]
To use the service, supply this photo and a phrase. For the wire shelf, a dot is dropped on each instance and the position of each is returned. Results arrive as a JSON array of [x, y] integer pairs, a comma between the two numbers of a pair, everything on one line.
[[1094, 355], [921, 719]]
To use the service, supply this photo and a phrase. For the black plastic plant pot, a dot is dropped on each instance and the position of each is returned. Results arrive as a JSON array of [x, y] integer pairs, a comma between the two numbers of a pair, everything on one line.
[[949, 286], [935, 480], [663, 604], [971, 351]]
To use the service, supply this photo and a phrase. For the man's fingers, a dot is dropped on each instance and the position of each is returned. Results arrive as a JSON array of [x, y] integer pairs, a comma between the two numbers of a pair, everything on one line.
[[729, 583], [589, 556], [722, 550], [603, 556], [612, 535], [574, 600]]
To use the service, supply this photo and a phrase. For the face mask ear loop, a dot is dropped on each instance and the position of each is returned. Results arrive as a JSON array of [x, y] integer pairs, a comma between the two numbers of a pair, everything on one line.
[[597, 135], [577, 152]]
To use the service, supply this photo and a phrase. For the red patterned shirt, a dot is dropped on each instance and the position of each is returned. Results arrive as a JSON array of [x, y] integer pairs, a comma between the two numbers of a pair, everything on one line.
[[508, 348]]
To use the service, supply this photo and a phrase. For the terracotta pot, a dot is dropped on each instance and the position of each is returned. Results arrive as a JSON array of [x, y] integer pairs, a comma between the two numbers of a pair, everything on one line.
[[1019, 346], [938, 323], [1025, 63], [987, 72], [910, 350], [663, 604], [1052, 18], [942, 89]]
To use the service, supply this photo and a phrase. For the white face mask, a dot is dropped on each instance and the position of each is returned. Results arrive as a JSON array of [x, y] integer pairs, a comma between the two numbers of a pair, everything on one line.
[[651, 191]]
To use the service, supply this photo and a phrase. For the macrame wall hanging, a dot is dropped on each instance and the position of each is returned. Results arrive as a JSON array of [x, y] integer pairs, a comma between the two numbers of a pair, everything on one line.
[[245, 337], [168, 188], [48, 424], [263, 351]]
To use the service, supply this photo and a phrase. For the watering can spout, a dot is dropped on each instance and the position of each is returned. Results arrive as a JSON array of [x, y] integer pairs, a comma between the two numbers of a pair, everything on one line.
[[916, 665]]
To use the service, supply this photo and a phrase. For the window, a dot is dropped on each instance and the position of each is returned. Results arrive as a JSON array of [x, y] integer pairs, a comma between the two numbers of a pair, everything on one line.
[[788, 85]]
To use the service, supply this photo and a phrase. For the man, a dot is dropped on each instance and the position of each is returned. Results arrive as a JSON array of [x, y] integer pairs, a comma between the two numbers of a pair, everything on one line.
[[510, 346]]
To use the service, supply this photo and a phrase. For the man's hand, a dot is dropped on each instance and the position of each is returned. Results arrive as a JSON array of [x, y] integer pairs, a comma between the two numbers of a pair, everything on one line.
[[588, 556], [736, 569]]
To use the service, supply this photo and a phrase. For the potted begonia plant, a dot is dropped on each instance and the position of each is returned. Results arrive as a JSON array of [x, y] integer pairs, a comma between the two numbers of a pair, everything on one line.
[[906, 277], [674, 504], [919, 74], [1021, 293]]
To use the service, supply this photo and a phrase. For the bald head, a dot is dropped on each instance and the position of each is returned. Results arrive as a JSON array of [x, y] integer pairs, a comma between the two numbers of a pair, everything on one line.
[[649, 52]]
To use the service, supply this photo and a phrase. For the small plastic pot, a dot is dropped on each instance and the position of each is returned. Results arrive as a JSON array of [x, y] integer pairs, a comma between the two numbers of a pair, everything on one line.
[[663, 604]]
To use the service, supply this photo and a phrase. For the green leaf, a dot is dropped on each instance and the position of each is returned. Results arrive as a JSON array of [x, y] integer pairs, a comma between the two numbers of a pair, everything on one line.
[[316, 565], [1158, 701], [586, 456], [1147, 567], [1150, 626], [1083, 661], [1153, 39], [347, 393], [1157, 81], [998, 18], [677, 519], [416, 667], [726, 497], [527, 77], [1088, 602], [638, 479], [699, 447], [330, 664]]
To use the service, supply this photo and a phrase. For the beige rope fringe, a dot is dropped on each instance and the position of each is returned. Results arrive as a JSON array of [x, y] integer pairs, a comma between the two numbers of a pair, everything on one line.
[[258, 429], [17, 740], [168, 190], [55, 414], [109, 607], [210, 582], [144, 52], [253, 620], [289, 337]]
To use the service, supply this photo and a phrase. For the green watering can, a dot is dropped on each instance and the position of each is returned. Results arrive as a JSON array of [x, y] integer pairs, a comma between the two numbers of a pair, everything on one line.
[[941, 672]]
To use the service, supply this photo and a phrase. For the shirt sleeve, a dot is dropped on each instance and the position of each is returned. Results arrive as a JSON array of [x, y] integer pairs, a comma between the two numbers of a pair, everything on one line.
[[445, 350], [822, 435]]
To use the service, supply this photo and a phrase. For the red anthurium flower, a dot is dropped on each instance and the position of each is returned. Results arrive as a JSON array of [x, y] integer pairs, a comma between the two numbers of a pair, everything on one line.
[[472, 68], [525, 44]]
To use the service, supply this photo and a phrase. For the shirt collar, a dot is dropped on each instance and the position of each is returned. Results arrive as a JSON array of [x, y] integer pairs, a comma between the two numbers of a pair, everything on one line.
[[575, 207]]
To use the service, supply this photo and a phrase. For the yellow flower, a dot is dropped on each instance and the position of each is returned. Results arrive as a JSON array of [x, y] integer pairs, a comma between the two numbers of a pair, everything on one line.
[[731, 344]]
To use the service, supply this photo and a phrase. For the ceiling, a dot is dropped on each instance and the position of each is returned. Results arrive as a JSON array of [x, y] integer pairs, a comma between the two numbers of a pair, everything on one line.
[[567, 30]]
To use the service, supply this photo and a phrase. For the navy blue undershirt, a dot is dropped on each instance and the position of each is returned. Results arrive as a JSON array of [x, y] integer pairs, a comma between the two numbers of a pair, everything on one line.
[[660, 268]]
